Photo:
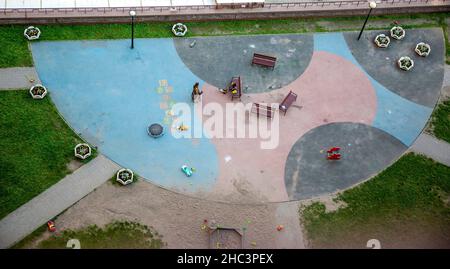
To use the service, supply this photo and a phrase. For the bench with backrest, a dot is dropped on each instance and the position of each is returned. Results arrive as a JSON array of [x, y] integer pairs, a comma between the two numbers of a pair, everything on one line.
[[265, 110], [264, 60], [287, 102]]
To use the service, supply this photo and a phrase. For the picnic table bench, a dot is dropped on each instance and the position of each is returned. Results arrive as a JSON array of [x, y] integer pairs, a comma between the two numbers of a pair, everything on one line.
[[264, 60], [287, 102], [238, 82]]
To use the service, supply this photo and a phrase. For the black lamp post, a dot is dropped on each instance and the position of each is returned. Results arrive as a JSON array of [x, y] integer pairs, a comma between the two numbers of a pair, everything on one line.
[[372, 5], [132, 14]]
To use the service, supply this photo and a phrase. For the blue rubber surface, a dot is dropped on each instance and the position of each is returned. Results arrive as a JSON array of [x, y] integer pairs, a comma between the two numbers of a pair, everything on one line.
[[110, 94]]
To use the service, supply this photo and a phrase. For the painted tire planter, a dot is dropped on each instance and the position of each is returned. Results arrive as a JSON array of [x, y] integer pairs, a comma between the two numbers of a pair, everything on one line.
[[82, 151], [32, 33], [405, 63], [423, 49], [398, 32], [38, 91], [179, 29], [125, 176], [382, 41], [155, 130]]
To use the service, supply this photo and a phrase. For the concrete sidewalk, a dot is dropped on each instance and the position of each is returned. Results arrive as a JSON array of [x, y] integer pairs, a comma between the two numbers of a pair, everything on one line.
[[429, 145], [18, 77], [55, 200], [432, 147]]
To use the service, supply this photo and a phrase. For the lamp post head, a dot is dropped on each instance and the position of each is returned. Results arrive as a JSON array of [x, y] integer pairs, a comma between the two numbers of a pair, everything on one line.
[[132, 13], [372, 4]]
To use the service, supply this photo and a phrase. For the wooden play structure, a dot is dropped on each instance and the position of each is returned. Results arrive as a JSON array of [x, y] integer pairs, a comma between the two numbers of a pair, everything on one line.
[[225, 238]]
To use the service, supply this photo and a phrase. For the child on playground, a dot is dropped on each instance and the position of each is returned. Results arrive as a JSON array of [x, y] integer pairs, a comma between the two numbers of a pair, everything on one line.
[[232, 88]]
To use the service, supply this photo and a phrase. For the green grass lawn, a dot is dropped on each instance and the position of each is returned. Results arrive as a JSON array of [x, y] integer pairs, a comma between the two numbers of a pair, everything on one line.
[[15, 51], [440, 121], [116, 235], [14, 47], [36, 146], [407, 205]]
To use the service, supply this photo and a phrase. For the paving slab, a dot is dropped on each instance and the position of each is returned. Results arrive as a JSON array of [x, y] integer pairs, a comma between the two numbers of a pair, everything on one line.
[[18, 77], [432, 147]]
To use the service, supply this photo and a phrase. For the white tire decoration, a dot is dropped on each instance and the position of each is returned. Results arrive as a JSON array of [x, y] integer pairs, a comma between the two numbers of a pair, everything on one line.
[[398, 32], [382, 41], [125, 176], [423, 49], [405, 63], [32, 33], [38, 91], [82, 151], [179, 29]]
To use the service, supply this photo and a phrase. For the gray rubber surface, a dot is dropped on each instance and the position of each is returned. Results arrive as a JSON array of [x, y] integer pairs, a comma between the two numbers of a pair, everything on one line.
[[424, 80], [365, 151], [217, 59]]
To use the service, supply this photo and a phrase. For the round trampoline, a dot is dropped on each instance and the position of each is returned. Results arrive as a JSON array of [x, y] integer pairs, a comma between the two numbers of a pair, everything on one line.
[[155, 130]]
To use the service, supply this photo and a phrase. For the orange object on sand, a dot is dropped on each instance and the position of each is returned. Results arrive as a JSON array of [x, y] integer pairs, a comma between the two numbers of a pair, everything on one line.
[[51, 226], [280, 227]]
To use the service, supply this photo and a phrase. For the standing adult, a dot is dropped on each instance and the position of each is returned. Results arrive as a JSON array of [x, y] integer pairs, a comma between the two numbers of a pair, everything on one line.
[[196, 93]]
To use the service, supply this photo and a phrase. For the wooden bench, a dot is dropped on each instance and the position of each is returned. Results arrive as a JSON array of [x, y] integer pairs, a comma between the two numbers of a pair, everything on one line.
[[264, 110], [287, 102], [238, 82], [264, 60]]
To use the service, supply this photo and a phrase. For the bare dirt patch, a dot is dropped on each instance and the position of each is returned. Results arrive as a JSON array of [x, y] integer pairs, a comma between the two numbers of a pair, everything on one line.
[[179, 218]]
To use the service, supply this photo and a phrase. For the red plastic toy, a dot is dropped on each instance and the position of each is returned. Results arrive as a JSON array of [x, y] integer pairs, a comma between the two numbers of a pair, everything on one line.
[[51, 226], [333, 153]]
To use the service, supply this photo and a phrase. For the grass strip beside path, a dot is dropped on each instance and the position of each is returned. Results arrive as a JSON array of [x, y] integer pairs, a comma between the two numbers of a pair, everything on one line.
[[14, 49], [405, 206], [440, 121], [36, 147], [116, 235]]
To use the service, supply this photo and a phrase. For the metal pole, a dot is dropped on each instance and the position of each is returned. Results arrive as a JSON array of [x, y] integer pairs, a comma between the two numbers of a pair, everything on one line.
[[132, 32], [364, 25]]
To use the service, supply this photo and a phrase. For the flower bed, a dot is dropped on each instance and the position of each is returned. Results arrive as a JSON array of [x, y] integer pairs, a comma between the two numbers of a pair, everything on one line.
[[38, 91], [125, 176], [405, 63], [82, 151], [382, 41], [397, 32], [32, 33], [179, 29], [422, 49]]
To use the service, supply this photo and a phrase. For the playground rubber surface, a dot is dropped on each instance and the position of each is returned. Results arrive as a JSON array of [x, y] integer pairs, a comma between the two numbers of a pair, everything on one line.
[[350, 94]]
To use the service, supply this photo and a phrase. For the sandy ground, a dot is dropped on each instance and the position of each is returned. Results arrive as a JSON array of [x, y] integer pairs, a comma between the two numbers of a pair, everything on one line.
[[179, 218]]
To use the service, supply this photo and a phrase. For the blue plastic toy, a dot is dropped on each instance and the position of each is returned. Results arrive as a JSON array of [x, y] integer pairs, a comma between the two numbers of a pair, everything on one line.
[[188, 171]]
